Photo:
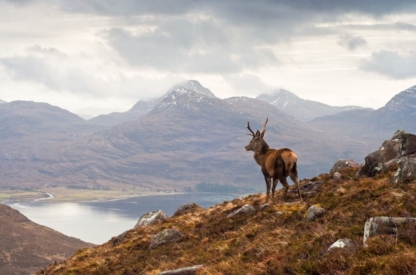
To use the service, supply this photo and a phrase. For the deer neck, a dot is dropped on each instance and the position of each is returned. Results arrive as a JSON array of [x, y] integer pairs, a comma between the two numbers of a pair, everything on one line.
[[258, 155]]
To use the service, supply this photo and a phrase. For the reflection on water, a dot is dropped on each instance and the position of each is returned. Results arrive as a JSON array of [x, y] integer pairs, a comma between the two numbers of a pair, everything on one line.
[[97, 222]]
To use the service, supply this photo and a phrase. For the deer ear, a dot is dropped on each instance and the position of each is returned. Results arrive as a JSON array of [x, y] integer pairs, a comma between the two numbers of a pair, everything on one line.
[[262, 133]]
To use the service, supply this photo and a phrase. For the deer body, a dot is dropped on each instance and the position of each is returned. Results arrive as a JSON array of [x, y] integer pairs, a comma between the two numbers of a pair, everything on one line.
[[276, 164]]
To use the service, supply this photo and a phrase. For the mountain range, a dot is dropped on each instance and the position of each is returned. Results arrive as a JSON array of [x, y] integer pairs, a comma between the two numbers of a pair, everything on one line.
[[186, 137], [302, 109]]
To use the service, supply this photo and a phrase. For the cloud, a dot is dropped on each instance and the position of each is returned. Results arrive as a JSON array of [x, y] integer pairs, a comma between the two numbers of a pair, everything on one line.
[[248, 84], [192, 47], [36, 49], [351, 42], [391, 64], [79, 82]]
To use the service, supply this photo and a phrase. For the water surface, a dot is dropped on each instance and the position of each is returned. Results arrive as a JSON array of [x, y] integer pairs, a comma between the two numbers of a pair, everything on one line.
[[97, 222]]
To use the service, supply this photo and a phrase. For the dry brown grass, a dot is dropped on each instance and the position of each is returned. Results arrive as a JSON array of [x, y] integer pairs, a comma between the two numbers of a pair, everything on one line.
[[268, 243]]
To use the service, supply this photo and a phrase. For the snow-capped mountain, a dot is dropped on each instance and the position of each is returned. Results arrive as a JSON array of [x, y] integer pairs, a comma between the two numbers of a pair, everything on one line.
[[301, 109]]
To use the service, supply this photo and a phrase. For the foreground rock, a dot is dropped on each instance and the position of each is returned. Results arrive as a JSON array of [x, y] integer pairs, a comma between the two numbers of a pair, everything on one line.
[[341, 243], [165, 237], [314, 212], [308, 190], [343, 163], [245, 210], [389, 226], [191, 270], [397, 154], [151, 218], [187, 208]]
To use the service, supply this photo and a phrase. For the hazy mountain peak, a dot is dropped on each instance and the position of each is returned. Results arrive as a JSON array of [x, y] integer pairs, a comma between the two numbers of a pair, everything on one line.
[[404, 100], [193, 85]]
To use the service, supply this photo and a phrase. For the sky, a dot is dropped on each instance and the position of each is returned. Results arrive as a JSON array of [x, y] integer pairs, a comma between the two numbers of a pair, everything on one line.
[[105, 55]]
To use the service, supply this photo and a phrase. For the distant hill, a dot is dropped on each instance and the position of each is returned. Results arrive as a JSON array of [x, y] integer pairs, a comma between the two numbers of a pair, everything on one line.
[[301, 109], [2, 101], [29, 127], [142, 107], [398, 113], [27, 247]]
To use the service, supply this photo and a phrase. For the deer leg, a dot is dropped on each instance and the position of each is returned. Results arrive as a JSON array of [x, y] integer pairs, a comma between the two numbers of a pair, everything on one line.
[[275, 181], [294, 178], [268, 183], [285, 186]]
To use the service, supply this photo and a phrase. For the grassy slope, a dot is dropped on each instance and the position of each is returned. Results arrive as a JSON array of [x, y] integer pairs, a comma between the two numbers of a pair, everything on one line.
[[267, 243]]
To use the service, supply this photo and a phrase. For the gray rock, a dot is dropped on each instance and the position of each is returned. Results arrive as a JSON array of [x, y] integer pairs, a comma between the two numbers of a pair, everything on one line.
[[191, 270], [278, 213], [386, 226], [337, 176], [341, 243], [151, 218], [119, 239], [246, 209], [263, 207], [165, 237], [397, 154], [314, 212], [343, 163], [186, 208]]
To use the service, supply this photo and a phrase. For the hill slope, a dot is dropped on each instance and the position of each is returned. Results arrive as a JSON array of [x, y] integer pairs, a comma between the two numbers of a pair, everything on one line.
[[27, 246], [301, 109], [398, 113], [277, 240]]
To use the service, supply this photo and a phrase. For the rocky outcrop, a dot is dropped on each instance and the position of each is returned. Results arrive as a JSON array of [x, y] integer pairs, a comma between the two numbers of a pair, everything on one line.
[[191, 270], [397, 154], [187, 208], [343, 163], [314, 212], [245, 210], [389, 226], [308, 189], [341, 243], [151, 218], [165, 237]]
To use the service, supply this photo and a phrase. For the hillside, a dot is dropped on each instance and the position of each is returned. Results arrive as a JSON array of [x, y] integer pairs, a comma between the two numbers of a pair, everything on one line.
[[398, 113], [27, 246], [278, 239], [302, 109]]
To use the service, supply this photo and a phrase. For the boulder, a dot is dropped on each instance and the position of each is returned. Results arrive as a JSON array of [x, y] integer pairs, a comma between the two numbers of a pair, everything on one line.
[[165, 237], [314, 212], [337, 176], [343, 163], [191, 270], [244, 210], [119, 239], [341, 243], [308, 189], [397, 154], [263, 207], [151, 218], [187, 208], [388, 226]]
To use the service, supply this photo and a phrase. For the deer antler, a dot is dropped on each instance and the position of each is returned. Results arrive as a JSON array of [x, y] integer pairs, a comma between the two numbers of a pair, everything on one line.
[[248, 127], [264, 128]]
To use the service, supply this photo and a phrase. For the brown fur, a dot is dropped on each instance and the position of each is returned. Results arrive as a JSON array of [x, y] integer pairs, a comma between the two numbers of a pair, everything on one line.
[[276, 164]]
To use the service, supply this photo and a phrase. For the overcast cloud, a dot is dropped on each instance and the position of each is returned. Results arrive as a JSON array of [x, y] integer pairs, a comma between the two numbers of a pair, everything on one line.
[[79, 54]]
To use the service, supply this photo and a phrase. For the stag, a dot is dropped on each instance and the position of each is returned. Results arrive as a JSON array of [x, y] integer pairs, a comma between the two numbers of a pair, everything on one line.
[[276, 164]]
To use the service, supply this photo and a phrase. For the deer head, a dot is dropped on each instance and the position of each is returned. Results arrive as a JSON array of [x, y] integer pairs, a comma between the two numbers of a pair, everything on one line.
[[257, 143]]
